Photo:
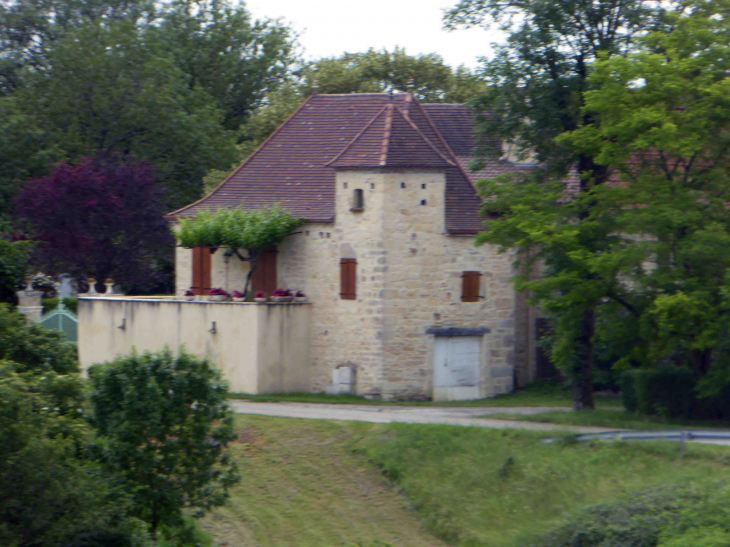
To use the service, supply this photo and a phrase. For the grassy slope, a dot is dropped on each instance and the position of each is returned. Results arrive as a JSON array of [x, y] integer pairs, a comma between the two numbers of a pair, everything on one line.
[[302, 486], [477, 487], [619, 419], [536, 394], [308, 483]]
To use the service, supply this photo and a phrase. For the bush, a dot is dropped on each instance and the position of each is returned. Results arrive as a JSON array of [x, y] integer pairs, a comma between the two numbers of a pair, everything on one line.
[[50, 304], [33, 348], [670, 517], [166, 425], [667, 391], [51, 494]]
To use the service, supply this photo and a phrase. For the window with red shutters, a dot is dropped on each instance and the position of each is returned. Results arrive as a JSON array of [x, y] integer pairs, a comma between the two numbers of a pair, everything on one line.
[[264, 277], [201, 270], [348, 279], [470, 286]]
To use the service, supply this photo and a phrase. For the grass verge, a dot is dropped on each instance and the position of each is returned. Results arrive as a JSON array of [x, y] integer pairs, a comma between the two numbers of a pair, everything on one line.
[[535, 394], [504, 488], [321, 483], [618, 419]]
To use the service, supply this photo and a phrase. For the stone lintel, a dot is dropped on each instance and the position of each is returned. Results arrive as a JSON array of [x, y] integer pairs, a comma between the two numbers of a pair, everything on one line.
[[450, 332]]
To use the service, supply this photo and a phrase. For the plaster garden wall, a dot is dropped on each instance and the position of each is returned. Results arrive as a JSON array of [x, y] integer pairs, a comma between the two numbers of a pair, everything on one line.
[[260, 348]]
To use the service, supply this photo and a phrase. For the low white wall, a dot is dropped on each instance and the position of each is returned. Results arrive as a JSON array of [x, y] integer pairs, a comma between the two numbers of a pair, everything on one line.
[[260, 348]]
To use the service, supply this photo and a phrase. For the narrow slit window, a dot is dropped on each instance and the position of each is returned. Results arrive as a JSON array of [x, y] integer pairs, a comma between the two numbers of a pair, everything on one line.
[[423, 202], [402, 184], [470, 286], [358, 201], [348, 279]]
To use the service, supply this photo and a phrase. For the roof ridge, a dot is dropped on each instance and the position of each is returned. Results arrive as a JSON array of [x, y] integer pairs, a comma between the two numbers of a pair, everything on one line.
[[426, 139], [243, 163], [386, 134], [354, 140]]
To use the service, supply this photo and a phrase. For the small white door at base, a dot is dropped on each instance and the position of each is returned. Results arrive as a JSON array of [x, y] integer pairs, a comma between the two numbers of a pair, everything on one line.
[[456, 368]]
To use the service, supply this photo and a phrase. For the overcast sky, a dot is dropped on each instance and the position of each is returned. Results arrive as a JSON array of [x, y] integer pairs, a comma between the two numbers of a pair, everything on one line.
[[330, 27]]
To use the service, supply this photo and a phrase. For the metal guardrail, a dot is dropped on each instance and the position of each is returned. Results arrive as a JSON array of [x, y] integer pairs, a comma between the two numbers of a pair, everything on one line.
[[680, 436]]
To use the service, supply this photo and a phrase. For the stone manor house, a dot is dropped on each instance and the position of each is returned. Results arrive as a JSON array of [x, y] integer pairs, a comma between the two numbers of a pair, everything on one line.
[[400, 297]]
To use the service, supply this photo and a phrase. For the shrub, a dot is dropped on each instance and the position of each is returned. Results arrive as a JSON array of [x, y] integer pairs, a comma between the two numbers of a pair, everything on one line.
[[32, 347], [50, 304], [166, 425], [51, 493], [668, 517], [666, 391]]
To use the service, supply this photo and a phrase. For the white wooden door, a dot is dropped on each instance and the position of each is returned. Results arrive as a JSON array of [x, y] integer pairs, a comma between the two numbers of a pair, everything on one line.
[[456, 363]]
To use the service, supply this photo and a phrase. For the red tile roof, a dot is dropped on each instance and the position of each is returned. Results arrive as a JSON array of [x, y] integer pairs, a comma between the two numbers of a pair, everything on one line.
[[390, 140], [295, 167]]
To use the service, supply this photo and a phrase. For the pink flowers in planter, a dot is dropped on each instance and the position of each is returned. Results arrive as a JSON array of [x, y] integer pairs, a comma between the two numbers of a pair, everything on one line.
[[237, 294], [189, 292], [260, 294], [217, 291], [281, 292]]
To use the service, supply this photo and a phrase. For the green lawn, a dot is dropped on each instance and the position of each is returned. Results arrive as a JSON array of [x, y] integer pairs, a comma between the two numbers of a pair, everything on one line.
[[320, 483], [536, 394], [618, 419]]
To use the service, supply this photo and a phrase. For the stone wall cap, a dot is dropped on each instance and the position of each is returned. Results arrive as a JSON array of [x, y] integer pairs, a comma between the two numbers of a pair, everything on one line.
[[450, 332]]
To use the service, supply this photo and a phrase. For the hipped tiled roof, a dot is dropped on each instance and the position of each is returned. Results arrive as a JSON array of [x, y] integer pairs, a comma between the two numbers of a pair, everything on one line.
[[391, 140], [295, 167]]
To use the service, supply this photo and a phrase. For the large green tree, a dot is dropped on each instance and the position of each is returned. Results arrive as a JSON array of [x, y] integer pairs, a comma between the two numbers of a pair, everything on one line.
[[538, 80], [169, 82], [665, 113]]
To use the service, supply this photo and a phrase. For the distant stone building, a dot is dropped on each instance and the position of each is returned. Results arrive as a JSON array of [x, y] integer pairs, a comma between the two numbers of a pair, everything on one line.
[[403, 304]]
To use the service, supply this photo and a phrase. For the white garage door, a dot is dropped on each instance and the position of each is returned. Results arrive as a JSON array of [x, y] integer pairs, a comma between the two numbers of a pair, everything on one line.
[[456, 363]]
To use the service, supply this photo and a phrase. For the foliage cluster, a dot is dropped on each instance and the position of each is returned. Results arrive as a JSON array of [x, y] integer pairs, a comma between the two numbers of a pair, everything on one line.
[[50, 304], [101, 218], [629, 102], [238, 229], [78, 469], [664, 517]]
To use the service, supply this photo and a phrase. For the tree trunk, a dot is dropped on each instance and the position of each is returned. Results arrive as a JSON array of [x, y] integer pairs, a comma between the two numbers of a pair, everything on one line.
[[583, 386], [253, 263]]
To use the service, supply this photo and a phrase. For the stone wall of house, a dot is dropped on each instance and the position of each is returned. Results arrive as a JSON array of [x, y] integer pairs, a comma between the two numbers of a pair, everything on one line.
[[424, 288], [409, 280], [344, 332]]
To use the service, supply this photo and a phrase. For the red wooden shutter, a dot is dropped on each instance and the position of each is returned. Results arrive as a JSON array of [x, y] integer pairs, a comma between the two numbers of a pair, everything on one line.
[[348, 279], [264, 278], [470, 286], [201, 270]]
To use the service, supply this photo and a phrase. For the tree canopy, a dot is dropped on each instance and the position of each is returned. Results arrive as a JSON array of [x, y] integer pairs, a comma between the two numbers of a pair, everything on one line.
[[99, 218], [538, 81]]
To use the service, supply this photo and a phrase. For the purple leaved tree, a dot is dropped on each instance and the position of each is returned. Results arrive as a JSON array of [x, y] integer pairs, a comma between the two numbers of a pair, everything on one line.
[[98, 218]]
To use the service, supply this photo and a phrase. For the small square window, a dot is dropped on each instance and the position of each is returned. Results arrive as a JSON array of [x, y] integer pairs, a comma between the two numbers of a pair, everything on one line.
[[402, 184], [344, 185], [423, 186], [423, 202]]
